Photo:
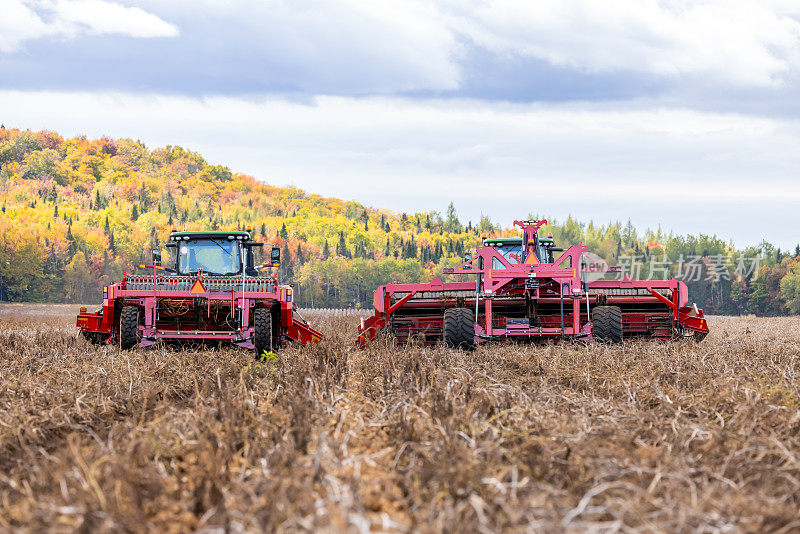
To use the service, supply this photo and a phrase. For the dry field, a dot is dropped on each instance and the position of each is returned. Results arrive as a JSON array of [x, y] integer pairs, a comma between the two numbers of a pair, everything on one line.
[[647, 437]]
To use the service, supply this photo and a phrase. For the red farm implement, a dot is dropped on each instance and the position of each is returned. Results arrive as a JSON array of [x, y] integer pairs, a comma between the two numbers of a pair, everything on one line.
[[522, 293], [211, 293]]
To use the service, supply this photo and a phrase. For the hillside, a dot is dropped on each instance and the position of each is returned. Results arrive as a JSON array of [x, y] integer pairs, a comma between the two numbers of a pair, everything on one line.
[[77, 213]]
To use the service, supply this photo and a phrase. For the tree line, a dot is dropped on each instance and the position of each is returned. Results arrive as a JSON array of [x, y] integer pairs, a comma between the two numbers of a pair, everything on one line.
[[77, 213]]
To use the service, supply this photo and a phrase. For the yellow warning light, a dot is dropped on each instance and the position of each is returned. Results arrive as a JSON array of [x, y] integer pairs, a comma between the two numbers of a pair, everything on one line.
[[550, 234], [83, 310]]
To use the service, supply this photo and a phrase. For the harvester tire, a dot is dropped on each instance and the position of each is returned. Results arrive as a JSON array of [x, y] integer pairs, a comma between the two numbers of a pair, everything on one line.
[[262, 323], [129, 327], [607, 324], [459, 328]]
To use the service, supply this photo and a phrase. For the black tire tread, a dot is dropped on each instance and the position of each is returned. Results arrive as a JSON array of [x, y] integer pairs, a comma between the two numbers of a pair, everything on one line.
[[607, 324], [262, 323], [459, 328], [129, 327]]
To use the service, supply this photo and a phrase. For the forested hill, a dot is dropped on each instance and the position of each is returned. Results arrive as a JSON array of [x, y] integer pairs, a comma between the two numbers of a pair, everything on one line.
[[77, 213]]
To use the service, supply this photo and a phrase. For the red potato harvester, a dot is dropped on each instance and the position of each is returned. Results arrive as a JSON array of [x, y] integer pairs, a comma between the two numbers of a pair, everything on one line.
[[525, 293]]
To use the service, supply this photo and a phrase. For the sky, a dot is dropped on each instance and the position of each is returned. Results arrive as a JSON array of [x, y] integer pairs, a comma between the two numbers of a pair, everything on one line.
[[678, 114]]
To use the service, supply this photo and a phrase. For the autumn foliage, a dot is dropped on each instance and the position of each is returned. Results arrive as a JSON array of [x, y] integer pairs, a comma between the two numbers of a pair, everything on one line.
[[78, 213]]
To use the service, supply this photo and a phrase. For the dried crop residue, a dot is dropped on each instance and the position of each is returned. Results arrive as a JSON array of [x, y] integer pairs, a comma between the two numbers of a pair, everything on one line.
[[649, 436]]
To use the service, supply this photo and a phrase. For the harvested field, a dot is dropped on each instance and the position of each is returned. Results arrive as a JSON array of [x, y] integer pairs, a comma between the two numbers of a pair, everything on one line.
[[647, 437]]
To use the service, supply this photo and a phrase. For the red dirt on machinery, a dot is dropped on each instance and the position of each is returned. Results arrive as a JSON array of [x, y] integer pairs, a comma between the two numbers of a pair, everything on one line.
[[212, 292], [522, 293]]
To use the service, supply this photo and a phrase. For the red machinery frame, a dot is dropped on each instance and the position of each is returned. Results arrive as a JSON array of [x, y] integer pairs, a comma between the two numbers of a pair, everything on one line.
[[557, 294], [231, 299]]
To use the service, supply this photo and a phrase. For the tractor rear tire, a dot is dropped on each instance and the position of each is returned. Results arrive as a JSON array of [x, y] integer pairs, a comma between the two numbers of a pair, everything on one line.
[[262, 323], [607, 324], [459, 328], [129, 327]]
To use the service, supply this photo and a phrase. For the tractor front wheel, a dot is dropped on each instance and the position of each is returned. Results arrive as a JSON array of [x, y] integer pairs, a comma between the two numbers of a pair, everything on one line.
[[129, 327], [262, 323], [459, 328], [607, 324]]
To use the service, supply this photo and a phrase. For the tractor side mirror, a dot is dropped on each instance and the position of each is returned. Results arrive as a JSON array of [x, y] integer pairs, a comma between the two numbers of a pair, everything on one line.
[[275, 256], [156, 257], [467, 256]]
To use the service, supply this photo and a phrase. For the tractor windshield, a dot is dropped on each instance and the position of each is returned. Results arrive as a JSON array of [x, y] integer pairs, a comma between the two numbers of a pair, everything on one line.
[[213, 256], [510, 251]]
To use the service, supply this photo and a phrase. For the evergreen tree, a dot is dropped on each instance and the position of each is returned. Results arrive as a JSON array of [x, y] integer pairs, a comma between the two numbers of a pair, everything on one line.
[[326, 250], [283, 233], [452, 224], [134, 213], [286, 271], [341, 246], [144, 199], [72, 248]]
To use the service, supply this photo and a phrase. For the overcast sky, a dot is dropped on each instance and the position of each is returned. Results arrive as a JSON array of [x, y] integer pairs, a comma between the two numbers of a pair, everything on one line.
[[680, 114]]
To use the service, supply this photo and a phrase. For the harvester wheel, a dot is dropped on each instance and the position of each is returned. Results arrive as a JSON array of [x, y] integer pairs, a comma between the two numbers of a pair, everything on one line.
[[607, 324], [129, 327], [459, 328], [262, 322]]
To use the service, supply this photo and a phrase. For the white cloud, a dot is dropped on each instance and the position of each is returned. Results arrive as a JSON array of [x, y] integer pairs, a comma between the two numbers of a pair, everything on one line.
[[685, 170], [751, 43], [319, 46], [101, 17], [364, 47], [17, 23], [745, 42], [23, 20]]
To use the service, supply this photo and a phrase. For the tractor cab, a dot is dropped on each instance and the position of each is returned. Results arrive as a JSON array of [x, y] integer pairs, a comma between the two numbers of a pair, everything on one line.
[[213, 253], [511, 250]]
